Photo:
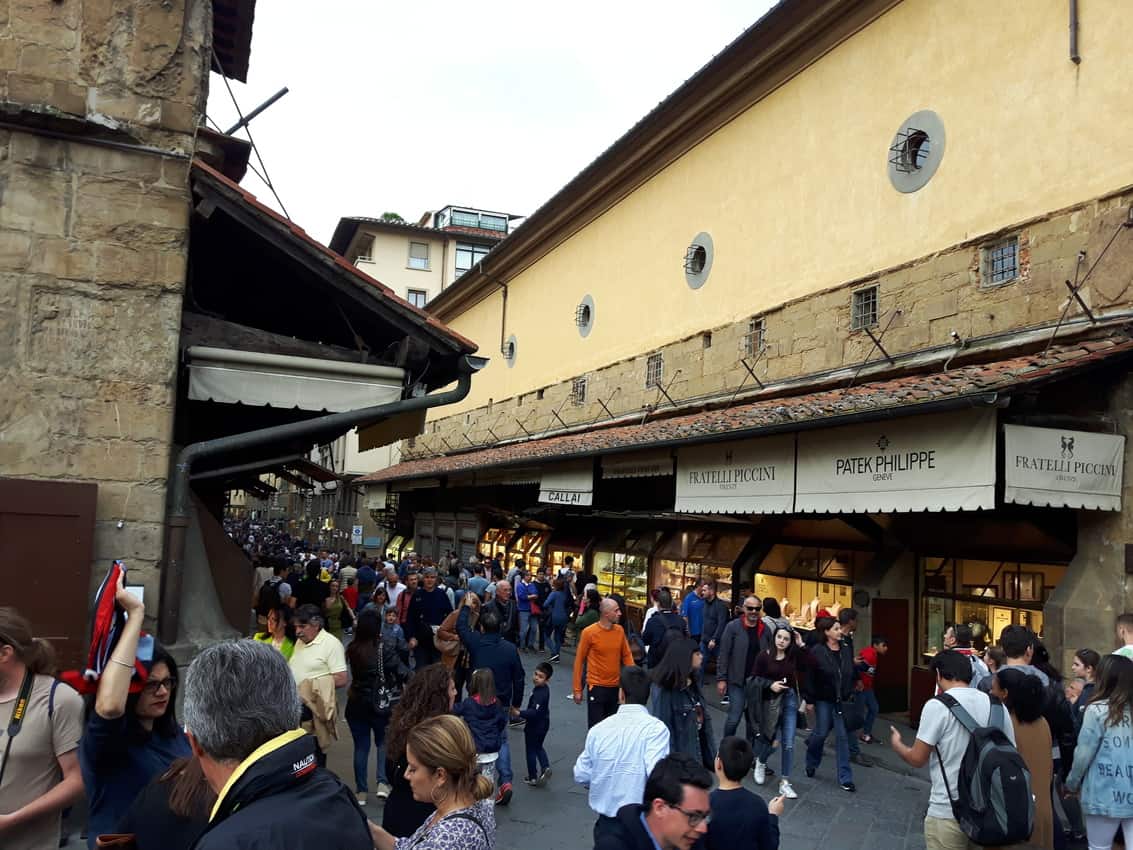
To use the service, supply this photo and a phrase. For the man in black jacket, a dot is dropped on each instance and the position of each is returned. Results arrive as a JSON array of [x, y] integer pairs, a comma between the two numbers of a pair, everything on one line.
[[715, 619], [743, 639], [659, 625], [491, 651], [503, 603], [674, 814], [241, 714]]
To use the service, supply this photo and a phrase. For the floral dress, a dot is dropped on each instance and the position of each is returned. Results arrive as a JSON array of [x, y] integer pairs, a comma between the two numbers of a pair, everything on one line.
[[472, 828]]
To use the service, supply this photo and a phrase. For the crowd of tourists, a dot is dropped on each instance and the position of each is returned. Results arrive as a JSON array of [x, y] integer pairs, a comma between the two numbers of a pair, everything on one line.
[[425, 663]]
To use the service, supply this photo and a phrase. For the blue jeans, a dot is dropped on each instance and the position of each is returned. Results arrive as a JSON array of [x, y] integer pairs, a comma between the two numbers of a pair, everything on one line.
[[360, 731], [825, 719], [788, 720], [555, 638], [528, 628], [503, 766], [735, 710], [869, 700], [536, 755]]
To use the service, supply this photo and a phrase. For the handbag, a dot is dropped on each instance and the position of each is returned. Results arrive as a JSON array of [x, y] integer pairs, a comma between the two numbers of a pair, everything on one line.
[[852, 712], [120, 841], [383, 696]]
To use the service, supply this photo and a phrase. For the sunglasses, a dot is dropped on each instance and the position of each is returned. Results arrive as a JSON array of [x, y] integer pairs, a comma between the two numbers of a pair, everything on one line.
[[753, 608]]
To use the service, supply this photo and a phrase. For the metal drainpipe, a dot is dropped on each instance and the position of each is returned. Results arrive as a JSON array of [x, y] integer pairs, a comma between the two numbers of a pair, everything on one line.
[[177, 520], [1075, 57]]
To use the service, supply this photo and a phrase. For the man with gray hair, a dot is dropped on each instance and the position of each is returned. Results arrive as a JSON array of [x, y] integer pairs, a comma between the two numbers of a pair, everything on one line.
[[318, 663], [241, 713], [505, 608]]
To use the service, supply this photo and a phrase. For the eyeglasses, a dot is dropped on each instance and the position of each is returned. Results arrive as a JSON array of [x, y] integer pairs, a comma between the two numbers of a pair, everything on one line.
[[155, 685], [694, 818], [753, 608]]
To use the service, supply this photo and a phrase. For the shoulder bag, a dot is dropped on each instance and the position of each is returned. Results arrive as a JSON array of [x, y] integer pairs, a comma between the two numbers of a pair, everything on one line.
[[383, 696]]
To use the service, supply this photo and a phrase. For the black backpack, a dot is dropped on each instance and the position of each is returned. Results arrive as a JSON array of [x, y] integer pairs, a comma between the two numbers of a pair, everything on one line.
[[269, 596], [994, 805]]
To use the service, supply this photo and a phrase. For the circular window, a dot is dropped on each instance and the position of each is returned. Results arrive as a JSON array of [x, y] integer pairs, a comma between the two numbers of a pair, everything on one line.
[[698, 260], [584, 316], [916, 151], [509, 350]]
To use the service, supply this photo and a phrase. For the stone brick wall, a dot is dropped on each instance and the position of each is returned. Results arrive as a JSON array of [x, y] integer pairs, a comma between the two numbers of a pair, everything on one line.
[[93, 247], [934, 295]]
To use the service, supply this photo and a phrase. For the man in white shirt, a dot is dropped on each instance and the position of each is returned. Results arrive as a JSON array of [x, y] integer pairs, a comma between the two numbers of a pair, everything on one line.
[[392, 586], [941, 731], [620, 752], [317, 653], [1124, 635]]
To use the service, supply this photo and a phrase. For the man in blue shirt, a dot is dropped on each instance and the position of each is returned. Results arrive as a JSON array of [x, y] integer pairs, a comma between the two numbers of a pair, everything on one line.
[[692, 609]]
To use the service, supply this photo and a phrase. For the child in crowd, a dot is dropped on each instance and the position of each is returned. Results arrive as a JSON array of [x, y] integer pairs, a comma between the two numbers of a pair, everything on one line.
[[870, 656], [538, 717], [394, 635], [486, 720], [740, 819]]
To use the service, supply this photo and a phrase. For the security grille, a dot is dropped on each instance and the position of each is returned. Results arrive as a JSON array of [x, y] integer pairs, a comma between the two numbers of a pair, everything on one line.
[[695, 258], [753, 339], [863, 308], [654, 370], [910, 150], [578, 391], [1001, 262]]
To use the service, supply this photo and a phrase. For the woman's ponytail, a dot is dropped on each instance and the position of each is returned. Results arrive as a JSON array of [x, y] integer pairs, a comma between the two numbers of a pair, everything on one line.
[[36, 653], [482, 787]]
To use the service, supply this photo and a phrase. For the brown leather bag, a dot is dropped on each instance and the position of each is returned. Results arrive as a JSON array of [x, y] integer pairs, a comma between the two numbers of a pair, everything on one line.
[[119, 841]]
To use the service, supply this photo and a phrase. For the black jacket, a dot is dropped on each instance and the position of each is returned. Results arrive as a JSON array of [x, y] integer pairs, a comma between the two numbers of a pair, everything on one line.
[[364, 677], [830, 670], [627, 832], [509, 617], [487, 723], [498, 655], [715, 618], [659, 625], [283, 801]]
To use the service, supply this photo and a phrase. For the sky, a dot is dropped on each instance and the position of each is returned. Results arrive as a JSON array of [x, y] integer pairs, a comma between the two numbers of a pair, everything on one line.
[[407, 107]]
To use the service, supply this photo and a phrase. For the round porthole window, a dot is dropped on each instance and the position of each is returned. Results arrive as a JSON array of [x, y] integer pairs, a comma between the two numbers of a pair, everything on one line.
[[698, 260], [509, 350], [584, 316], [916, 151]]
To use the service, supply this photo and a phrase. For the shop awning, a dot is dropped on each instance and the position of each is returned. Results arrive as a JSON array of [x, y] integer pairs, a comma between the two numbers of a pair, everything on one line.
[[568, 484], [742, 477], [1058, 468], [649, 464], [944, 462], [961, 387]]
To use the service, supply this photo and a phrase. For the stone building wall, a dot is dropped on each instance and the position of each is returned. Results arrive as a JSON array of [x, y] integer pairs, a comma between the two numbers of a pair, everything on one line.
[[807, 338], [93, 247]]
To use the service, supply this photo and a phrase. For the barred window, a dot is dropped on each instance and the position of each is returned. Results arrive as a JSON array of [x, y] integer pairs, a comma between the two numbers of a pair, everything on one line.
[[753, 339], [578, 391], [863, 308], [1000, 262], [654, 370]]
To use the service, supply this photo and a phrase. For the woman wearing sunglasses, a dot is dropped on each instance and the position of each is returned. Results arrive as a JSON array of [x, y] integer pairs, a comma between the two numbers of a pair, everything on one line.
[[130, 738]]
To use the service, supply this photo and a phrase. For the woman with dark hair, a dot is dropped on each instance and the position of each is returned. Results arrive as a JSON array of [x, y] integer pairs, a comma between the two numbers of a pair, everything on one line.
[[130, 738], [778, 670], [1102, 766], [679, 703], [430, 693], [171, 813], [1024, 697], [376, 676], [1085, 667], [279, 631], [633, 636], [829, 687], [589, 615], [340, 616]]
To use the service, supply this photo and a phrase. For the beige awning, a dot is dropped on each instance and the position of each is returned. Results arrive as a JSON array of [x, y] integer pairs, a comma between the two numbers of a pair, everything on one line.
[[568, 484], [1062, 469], [231, 376], [649, 464], [392, 430], [740, 477], [944, 462]]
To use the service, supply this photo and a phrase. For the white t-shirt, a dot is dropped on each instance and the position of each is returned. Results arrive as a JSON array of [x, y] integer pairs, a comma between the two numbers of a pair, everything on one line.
[[321, 657], [392, 592], [1126, 651], [941, 730]]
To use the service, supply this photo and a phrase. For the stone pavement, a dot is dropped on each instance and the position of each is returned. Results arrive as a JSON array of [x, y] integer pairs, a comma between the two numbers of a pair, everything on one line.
[[886, 813]]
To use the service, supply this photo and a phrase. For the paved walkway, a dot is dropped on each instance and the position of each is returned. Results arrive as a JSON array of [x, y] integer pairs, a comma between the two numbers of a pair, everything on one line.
[[885, 813]]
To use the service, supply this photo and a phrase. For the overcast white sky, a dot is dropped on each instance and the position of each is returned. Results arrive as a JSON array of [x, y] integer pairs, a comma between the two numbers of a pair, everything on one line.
[[405, 107]]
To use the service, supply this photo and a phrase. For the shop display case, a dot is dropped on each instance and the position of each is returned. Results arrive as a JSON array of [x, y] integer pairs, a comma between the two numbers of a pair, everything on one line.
[[493, 543], [529, 546], [621, 565], [689, 557], [807, 579]]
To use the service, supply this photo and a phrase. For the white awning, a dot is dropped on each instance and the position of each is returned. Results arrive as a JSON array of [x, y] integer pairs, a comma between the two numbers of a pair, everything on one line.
[[743, 477], [410, 484], [568, 484], [508, 477], [650, 464], [944, 462], [229, 376], [1062, 469]]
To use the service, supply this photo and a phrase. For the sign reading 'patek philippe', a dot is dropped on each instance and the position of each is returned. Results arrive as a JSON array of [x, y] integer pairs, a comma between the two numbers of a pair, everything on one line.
[[935, 463], [748, 476], [1073, 469]]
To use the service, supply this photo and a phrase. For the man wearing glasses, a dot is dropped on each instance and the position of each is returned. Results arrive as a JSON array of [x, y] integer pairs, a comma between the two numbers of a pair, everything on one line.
[[743, 639], [318, 659], [674, 814]]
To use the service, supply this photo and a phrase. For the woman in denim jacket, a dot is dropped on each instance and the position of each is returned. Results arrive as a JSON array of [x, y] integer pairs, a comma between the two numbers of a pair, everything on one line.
[[679, 703], [1103, 761]]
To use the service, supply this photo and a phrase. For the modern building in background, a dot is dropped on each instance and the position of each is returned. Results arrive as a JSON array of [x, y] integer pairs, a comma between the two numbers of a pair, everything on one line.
[[845, 318]]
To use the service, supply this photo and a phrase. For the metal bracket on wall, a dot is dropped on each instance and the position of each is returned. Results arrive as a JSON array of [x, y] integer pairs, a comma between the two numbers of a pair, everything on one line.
[[751, 371], [605, 405], [665, 392], [1081, 303], [876, 339], [448, 444], [521, 425]]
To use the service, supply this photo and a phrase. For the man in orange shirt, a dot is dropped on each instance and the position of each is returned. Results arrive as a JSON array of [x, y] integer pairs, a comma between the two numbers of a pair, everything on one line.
[[603, 648]]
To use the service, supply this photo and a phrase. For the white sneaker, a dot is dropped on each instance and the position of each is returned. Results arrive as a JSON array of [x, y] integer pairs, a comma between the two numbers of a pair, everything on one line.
[[786, 790], [383, 790], [361, 798], [760, 772]]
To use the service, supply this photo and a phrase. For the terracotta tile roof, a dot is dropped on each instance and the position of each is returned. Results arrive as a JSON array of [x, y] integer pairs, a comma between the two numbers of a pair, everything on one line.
[[416, 313], [910, 394]]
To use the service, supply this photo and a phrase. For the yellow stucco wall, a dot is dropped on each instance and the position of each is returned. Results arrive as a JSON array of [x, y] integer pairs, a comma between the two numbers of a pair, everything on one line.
[[389, 262], [795, 191]]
